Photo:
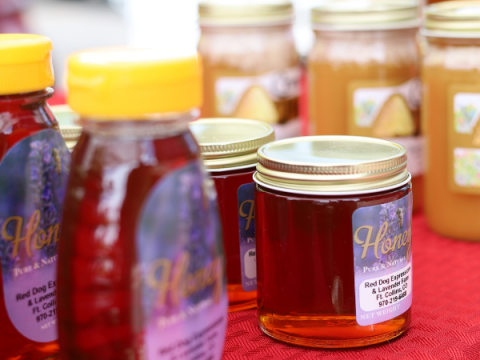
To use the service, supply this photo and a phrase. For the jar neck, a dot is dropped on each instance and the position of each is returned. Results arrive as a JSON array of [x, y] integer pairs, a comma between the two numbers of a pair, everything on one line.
[[152, 126], [233, 171], [453, 41], [367, 34], [245, 30], [33, 97]]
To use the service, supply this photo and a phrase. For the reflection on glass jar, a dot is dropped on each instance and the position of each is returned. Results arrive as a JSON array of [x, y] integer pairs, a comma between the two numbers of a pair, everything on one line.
[[229, 148], [251, 68], [450, 117], [334, 254], [364, 75]]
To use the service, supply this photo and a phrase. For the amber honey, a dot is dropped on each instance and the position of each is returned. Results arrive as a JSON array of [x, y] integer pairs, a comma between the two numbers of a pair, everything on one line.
[[320, 281], [227, 184], [229, 148], [364, 76], [451, 97], [250, 64]]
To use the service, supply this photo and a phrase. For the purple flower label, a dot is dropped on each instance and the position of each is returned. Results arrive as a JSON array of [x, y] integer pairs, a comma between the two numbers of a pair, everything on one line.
[[180, 251], [33, 177], [382, 246], [246, 228]]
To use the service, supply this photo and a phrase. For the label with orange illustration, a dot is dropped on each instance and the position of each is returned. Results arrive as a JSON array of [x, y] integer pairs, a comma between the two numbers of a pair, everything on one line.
[[270, 97], [464, 139], [388, 110]]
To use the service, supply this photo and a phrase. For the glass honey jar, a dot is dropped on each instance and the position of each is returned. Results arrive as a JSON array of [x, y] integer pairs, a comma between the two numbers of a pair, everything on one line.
[[229, 148], [363, 74], [450, 117], [334, 254], [250, 64]]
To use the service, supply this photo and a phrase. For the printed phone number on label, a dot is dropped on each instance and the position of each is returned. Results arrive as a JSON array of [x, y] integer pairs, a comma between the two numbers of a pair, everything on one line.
[[386, 290]]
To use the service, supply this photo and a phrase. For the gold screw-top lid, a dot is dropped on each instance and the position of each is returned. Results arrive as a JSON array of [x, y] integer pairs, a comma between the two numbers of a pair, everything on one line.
[[332, 165], [244, 13], [365, 15], [228, 144], [67, 120], [460, 19]]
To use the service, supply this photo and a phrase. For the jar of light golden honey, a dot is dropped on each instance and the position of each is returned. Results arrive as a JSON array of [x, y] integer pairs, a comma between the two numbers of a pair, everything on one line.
[[334, 254], [229, 148], [250, 64], [450, 116], [364, 75]]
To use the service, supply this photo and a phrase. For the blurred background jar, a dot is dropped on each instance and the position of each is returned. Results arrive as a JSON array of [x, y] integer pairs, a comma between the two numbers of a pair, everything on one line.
[[363, 74], [450, 118], [250, 64]]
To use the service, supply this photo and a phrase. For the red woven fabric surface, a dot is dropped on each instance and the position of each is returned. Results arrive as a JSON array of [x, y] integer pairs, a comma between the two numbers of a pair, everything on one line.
[[445, 319]]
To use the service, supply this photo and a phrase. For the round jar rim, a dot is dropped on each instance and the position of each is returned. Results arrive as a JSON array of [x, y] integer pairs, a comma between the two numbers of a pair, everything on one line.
[[365, 16], [333, 193], [230, 143], [214, 13], [452, 19], [332, 164]]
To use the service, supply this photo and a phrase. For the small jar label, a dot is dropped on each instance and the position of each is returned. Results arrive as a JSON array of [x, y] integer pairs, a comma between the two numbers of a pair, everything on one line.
[[382, 248], [464, 139], [389, 110], [181, 279], [33, 178], [270, 97], [246, 228]]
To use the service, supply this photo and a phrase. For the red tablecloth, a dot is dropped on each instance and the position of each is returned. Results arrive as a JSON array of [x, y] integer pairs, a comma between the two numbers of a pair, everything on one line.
[[445, 319]]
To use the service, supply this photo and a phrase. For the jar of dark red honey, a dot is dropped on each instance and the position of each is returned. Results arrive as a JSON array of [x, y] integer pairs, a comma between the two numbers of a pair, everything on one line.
[[229, 148], [334, 254]]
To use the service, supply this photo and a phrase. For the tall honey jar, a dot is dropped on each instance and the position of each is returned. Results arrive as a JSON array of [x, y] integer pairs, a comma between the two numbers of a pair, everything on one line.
[[363, 73], [334, 240], [450, 116], [250, 64], [141, 264], [229, 149]]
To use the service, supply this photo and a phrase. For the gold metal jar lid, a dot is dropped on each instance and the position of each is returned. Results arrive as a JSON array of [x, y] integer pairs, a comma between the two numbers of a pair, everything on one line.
[[244, 13], [228, 144], [357, 15], [67, 119], [332, 165], [458, 19]]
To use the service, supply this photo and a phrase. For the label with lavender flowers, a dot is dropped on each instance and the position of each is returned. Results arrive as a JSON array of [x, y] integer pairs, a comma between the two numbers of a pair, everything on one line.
[[246, 227], [382, 248], [33, 177], [181, 264]]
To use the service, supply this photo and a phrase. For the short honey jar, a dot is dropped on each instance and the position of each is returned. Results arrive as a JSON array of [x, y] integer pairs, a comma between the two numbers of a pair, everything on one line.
[[229, 148], [334, 253]]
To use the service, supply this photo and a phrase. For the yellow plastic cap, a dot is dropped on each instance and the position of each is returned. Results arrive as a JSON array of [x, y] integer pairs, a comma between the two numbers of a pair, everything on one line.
[[25, 63], [129, 83]]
